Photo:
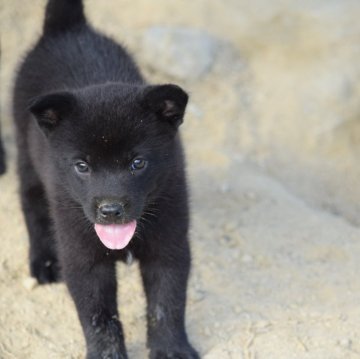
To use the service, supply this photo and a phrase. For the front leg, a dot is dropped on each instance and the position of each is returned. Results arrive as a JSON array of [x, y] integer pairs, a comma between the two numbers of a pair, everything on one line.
[[44, 264], [91, 279], [165, 281], [93, 289]]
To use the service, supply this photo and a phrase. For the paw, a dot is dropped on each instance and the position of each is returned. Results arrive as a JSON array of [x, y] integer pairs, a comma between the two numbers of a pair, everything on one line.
[[109, 350], [181, 352], [45, 269], [107, 339]]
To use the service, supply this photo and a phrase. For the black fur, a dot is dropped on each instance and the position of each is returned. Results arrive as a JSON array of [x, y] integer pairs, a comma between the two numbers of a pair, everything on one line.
[[80, 97]]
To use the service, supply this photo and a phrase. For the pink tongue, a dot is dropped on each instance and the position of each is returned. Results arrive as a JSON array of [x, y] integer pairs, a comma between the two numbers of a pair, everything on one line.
[[115, 236]]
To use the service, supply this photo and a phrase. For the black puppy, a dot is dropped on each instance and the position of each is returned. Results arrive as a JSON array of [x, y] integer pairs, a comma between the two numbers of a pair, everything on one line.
[[102, 179]]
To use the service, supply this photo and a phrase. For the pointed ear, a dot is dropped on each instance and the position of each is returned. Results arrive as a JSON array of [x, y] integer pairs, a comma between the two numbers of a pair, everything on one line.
[[50, 109], [168, 102]]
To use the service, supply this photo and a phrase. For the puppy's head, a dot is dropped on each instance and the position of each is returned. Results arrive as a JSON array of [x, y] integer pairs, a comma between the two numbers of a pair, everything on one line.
[[112, 148]]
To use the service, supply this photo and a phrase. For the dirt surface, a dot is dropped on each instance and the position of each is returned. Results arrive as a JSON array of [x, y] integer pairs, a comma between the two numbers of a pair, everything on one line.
[[274, 182]]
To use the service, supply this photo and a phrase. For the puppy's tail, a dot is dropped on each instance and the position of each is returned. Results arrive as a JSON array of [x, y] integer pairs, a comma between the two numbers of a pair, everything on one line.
[[63, 15]]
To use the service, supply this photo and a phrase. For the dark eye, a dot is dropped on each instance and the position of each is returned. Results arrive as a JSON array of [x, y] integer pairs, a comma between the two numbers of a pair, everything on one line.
[[138, 164], [81, 167]]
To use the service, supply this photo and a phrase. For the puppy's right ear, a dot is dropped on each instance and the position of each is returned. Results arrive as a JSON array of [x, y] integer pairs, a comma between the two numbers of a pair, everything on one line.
[[49, 110]]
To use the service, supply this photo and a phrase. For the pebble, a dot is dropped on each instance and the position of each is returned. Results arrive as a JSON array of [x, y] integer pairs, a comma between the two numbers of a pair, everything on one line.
[[247, 258], [251, 195], [228, 241], [262, 324], [4, 265], [195, 111], [29, 283], [181, 52], [237, 309], [343, 317], [230, 226], [224, 188], [198, 295], [345, 343]]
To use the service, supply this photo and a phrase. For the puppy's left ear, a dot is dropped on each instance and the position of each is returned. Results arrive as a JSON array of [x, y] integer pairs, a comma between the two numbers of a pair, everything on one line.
[[168, 102]]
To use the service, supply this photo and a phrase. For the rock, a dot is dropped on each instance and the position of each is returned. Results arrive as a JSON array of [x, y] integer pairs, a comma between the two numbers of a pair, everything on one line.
[[197, 295], [262, 324], [224, 187], [237, 309], [29, 283], [230, 226], [228, 241], [207, 331], [247, 258], [180, 52], [195, 111], [345, 343]]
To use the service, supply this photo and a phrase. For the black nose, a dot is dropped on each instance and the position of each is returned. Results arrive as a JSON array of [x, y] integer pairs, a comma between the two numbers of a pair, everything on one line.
[[111, 210]]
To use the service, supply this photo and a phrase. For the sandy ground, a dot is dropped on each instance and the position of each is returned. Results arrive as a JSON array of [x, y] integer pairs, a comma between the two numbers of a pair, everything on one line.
[[275, 273]]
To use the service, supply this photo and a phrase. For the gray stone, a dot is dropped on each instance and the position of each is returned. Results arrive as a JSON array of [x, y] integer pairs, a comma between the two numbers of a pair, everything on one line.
[[183, 53]]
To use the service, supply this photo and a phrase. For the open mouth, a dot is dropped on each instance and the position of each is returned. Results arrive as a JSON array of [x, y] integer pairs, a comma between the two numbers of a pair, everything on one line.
[[115, 236]]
